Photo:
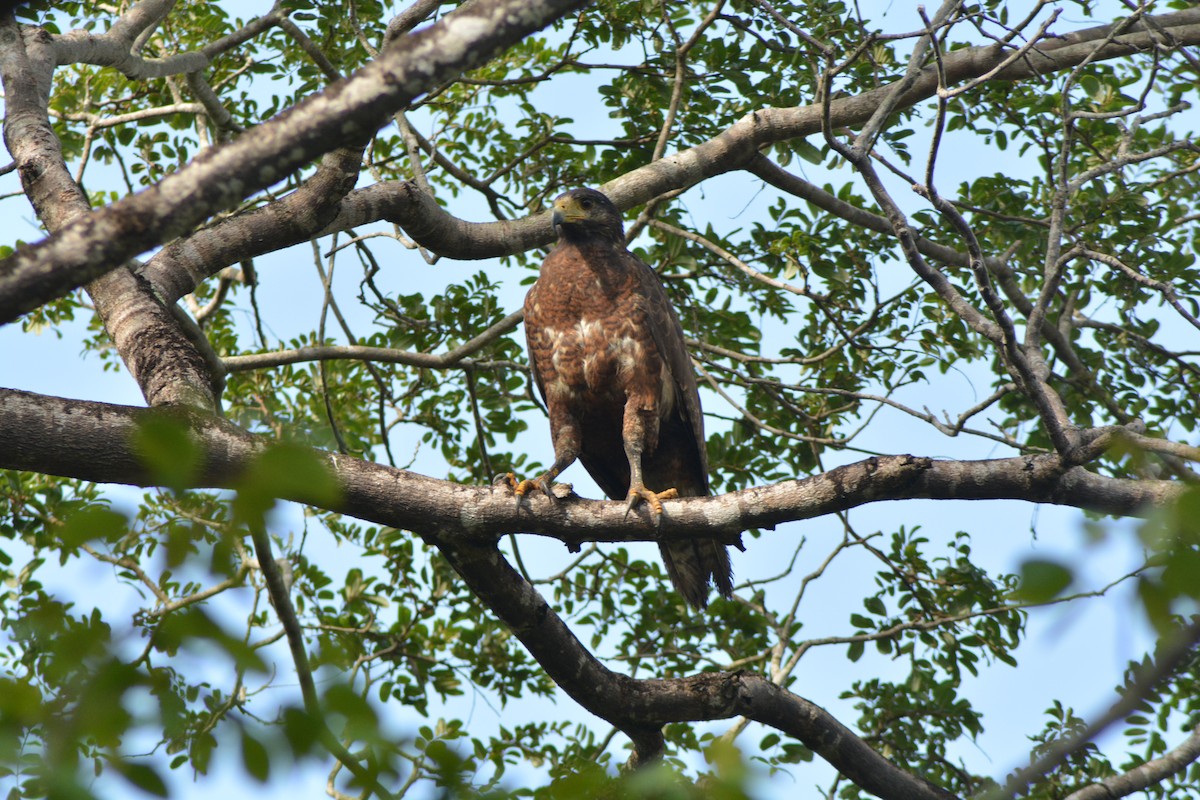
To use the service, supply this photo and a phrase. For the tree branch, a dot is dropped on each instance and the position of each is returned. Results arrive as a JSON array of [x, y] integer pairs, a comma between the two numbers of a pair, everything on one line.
[[281, 599], [1145, 775], [385, 355], [431, 226], [641, 707], [182, 265], [168, 367], [349, 110], [739, 145], [116, 47], [92, 441], [1180, 645]]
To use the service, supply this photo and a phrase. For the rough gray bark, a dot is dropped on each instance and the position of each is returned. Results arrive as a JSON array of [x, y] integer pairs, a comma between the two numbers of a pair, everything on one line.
[[217, 179], [641, 707], [185, 263], [87, 440], [93, 441], [1143, 777], [432, 226], [165, 363]]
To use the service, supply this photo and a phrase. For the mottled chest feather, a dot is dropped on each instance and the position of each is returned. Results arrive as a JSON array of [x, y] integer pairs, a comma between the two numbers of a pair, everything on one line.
[[589, 337]]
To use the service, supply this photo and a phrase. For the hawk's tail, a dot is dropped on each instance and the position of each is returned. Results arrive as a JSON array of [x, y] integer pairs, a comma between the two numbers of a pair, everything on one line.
[[693, 564]]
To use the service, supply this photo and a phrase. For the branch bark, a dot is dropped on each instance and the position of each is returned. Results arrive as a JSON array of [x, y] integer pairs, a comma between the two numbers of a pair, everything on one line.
[[434, 228], [741, 143], [1143, 777], [168, 367], [1176, 649], [117, 48], [185, 263], [349, 110], [641, 707], [92, 441]]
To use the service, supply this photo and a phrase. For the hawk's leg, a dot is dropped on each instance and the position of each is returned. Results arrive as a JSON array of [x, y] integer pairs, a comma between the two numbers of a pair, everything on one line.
[[640, 433], [566, 449]]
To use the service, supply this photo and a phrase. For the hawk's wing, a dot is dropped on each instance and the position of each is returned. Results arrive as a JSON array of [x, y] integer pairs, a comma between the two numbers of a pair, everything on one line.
[[533, 333], [672, 347]]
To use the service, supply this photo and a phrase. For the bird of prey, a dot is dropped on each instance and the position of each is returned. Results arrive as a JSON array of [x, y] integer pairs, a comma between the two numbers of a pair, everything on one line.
[[609, 359]]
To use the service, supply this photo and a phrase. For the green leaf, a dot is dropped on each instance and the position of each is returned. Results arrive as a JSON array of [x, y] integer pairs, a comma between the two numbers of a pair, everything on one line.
[[20, 703], [1156, 602], [164, 443], [808, 151], [255, 758], [796, 754], [303, 732], [859, 621], [1042, 580], [91, 523], [285, 471], [143, 776], [1181, 577]]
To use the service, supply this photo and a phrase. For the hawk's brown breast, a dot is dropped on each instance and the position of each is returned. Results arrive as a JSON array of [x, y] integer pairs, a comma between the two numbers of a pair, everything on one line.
[[588, 337]]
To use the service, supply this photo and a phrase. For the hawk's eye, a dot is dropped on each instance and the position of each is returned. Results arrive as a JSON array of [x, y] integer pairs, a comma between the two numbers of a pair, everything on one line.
[[585, 203]]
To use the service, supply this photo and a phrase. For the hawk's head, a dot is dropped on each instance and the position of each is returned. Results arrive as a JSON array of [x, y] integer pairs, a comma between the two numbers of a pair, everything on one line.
[[583, 214]]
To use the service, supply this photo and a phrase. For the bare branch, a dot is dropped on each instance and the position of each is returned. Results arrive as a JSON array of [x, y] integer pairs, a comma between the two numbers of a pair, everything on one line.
[[865, 141], [786, 182], [1179, 647], [139, 18], [641, 707], [1016, 55], [116, 47], [282, 601], [729, 257], [410, 18], [382, 354], [430, 225], [1165, 289], [182, 265]]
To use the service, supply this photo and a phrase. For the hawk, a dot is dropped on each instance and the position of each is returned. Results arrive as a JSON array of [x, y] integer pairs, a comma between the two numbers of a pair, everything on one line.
[[609, 359]]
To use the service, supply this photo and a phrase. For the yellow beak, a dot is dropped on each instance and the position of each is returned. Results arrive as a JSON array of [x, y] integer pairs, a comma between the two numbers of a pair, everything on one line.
[[566, 210]]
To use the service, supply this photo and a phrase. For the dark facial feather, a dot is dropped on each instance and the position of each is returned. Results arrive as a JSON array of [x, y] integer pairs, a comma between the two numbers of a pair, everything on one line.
[[582, 215]]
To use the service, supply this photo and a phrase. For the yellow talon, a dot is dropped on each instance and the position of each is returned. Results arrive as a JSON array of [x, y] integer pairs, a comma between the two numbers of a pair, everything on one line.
[[522, 488], [654, 499]]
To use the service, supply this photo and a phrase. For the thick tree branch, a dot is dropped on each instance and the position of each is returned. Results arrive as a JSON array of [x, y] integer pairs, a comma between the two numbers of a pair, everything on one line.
[[92, 441], [739, 144], [434, 228], [409, 18], [641, 707], [165, 363], [143, 16], [224, 175], [182, 265], [117, 49]]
